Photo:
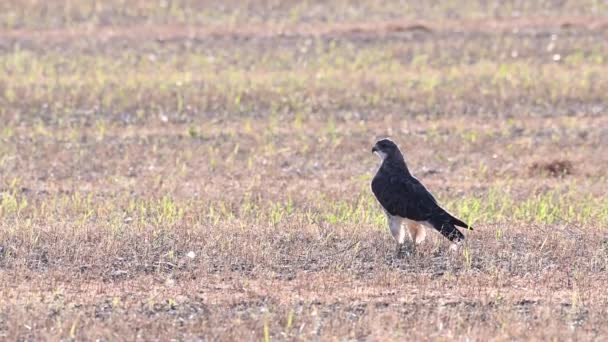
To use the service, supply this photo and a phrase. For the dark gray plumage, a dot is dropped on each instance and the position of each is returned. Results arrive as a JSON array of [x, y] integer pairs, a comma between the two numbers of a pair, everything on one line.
[[405, 198]]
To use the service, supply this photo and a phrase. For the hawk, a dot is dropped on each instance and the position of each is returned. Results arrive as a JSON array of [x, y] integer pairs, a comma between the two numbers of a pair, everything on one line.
[[406, 201]]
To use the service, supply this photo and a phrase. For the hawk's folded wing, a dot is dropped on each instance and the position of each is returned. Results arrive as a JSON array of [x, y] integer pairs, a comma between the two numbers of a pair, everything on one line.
[[405, 196]]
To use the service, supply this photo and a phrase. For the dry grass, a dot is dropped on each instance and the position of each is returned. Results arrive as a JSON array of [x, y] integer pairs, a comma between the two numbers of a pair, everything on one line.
[[209, 179]]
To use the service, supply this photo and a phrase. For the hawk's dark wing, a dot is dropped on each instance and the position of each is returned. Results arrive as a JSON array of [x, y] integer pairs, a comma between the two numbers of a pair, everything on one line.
[[405, 196]]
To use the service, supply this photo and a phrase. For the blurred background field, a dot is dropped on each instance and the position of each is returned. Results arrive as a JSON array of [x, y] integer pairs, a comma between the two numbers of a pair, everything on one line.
[[200, 170]]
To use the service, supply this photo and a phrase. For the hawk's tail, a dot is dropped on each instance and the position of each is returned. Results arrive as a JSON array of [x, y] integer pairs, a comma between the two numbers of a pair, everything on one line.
[[459, 223], [447, 229]]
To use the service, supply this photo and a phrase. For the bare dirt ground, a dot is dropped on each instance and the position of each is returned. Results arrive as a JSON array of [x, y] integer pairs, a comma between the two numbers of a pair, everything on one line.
[[201, 172]]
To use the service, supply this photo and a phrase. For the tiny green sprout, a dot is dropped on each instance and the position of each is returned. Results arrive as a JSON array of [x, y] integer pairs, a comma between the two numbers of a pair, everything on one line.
[[116, 302], [470, 136], [276, 213], [234, 153], [7, 132], [503, 72], [101, 130], [467, 257], [313, 217], [298, 121], [289, 206], [248, 126], [575, 299], [289, 320], [503, 324], [499, 297], [193, 132], [180, 101], [498, 233], [266, 330], [11, 204], [73, 328]]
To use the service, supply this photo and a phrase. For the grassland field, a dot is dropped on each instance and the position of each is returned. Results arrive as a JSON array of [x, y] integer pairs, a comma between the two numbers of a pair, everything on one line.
[[199, 170]]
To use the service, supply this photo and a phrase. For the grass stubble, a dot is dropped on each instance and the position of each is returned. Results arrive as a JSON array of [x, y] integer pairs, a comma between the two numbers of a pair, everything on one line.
[[215, 185]]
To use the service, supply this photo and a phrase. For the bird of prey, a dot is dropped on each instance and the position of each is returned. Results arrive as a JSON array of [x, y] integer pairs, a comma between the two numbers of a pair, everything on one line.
[[406, 201]]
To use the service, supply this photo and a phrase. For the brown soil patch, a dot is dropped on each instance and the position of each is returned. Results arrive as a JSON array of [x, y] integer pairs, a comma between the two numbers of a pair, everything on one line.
[[554, 168]]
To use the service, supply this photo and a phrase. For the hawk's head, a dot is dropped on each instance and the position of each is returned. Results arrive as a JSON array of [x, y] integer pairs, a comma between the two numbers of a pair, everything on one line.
[[386, 148]]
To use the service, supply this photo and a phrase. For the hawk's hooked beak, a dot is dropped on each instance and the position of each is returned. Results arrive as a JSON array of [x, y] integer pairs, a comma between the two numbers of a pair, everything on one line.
[[374, 149]]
